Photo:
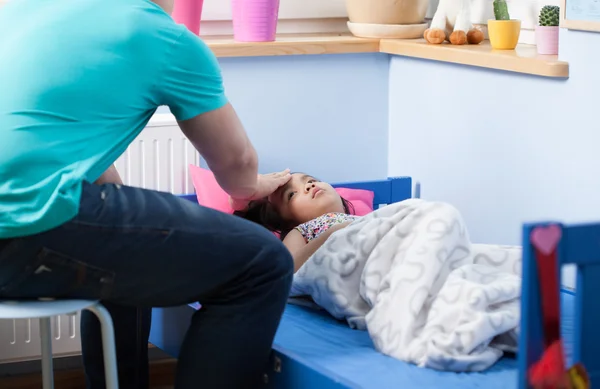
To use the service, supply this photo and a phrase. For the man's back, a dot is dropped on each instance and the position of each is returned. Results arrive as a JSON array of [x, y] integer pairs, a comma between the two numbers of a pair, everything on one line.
[[79, 82], [79, 79]]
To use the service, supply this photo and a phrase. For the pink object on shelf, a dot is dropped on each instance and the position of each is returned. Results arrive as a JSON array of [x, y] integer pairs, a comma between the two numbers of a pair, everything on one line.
[[546, 39], [189, 13], [254, 20]]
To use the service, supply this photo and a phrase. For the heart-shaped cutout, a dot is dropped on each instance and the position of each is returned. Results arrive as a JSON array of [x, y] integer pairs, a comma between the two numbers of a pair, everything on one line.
[[546, 238]]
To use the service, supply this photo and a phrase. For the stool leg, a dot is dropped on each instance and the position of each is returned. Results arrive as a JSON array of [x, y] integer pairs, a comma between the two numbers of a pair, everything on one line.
[[46, 339], [108, 345]]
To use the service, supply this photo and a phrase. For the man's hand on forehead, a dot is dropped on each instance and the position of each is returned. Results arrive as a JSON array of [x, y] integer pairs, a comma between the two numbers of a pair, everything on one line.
[[267, 185]]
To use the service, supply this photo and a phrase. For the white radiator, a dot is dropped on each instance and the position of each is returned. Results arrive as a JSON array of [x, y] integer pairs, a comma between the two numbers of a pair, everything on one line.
[[157, 159]]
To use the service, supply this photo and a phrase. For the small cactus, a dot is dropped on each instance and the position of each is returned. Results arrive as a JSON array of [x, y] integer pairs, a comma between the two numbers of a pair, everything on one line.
[[549, 15], [501, 10]]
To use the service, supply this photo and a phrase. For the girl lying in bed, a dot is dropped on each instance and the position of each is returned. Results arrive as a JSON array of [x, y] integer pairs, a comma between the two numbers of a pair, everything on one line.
[[408, 273], [305, 212]]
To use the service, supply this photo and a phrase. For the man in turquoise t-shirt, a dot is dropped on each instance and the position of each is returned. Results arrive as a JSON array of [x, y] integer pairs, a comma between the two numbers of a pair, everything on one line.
[[79, 80]]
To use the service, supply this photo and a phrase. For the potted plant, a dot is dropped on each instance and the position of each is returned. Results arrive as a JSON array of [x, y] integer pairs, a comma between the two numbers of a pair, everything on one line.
[[546, 34], [503, 31]]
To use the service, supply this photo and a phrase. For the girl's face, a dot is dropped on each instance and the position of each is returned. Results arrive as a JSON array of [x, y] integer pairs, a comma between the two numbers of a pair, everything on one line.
[[305, 198]]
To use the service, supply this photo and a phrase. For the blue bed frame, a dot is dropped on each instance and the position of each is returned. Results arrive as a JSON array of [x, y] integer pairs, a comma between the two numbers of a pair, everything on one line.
[[580, 245]]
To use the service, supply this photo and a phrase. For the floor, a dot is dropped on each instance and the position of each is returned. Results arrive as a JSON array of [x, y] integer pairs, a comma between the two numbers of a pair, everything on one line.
[[162, 374]]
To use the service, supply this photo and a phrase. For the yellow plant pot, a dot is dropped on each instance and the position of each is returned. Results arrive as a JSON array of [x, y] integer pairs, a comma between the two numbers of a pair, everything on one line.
[[504, 34]]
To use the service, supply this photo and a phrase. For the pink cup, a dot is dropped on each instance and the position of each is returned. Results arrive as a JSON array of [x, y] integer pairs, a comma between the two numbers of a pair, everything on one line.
[[188, 13], [254, 20]]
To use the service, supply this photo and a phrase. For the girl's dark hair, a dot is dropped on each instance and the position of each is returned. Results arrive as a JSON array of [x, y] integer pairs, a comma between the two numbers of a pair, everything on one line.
[[264, 213]]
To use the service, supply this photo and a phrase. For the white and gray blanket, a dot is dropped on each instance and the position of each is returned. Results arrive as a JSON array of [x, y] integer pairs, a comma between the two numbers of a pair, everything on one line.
[[409, 274]]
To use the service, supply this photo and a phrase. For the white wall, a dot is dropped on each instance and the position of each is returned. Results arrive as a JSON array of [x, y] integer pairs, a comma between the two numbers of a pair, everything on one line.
[[504, 148], [322, 114]]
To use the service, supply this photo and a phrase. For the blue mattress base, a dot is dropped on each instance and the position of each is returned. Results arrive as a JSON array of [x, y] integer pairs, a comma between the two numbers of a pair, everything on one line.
[[313, 350]]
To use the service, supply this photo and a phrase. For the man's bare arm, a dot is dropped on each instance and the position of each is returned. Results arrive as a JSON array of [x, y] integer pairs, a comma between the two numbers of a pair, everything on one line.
[[220, 138], [110, 176]]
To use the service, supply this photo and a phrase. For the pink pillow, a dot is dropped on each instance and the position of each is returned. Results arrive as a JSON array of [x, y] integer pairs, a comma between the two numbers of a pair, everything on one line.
[[210, 194], [361, 199], [208, 191]]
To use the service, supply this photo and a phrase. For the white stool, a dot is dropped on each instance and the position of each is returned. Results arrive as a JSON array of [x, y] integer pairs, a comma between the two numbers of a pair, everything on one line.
[[44, 310]]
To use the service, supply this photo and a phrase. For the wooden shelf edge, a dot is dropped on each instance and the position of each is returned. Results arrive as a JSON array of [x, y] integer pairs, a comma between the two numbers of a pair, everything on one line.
[[303, 44], [523, 60]]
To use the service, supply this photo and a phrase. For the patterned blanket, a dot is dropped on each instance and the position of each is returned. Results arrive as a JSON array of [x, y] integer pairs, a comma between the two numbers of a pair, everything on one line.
[[409, 274]]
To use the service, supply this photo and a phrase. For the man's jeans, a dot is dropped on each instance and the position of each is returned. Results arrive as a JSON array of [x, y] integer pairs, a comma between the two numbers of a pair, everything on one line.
[[135, 248]]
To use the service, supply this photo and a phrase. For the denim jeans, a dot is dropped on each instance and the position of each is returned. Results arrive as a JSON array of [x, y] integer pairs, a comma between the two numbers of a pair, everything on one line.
[[134, 249]]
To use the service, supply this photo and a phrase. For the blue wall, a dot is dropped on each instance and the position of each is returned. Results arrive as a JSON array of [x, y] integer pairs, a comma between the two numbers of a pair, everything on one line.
[[326, 115], [504, 148]]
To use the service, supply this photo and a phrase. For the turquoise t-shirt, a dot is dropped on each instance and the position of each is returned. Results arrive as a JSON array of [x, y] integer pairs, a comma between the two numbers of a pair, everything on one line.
[[79, 80]]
